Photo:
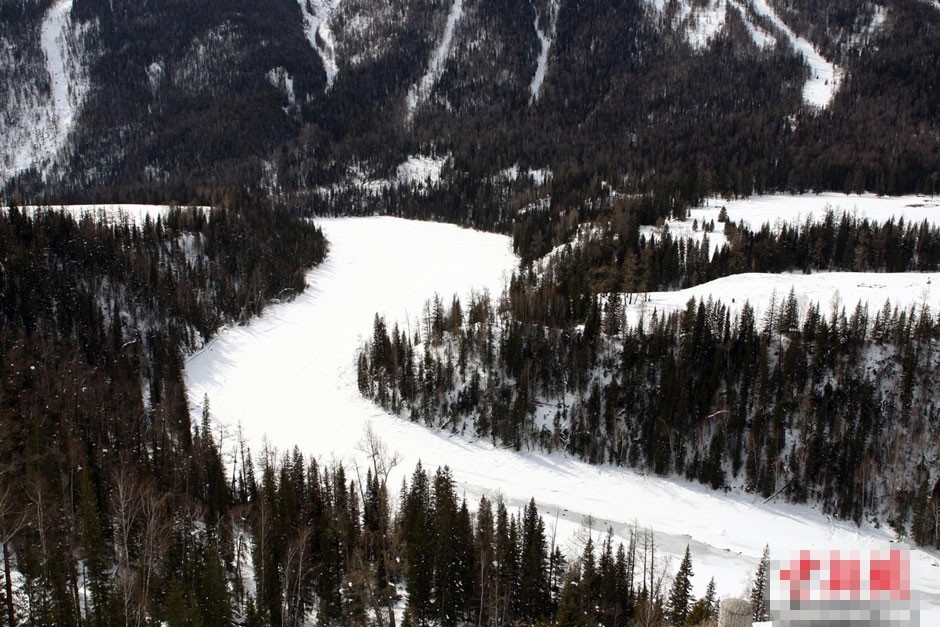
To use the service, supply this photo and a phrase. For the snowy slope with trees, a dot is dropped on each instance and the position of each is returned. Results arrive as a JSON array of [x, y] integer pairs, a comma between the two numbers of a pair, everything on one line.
[[290, 379]]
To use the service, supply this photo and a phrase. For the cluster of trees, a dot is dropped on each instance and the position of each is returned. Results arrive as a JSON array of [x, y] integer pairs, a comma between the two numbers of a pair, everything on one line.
[[832, 409], [100, 466], [616, 254]]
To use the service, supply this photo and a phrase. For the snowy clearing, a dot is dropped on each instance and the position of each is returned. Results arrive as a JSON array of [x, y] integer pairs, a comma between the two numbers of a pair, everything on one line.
[[825, 77], [417, 94], [419, 169], [290, 379]]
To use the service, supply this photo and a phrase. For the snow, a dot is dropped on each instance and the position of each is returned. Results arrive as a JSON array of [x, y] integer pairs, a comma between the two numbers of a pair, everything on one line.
[[54, 35], [420, 169], [703, 22], [825, 77], [785, 209], [828, 289], [419, 93], [316, 16], [762, 39], [35, 131], [795, 209], [538, 177], [134, 214], [280, 79], [545, 42], [289, 378]]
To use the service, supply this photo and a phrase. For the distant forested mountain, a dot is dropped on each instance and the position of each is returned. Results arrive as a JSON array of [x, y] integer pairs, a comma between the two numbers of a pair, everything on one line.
[[136, 100]]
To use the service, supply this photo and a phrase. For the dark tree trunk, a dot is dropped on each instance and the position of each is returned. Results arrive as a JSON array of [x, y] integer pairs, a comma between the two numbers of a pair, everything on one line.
[[8, 585]]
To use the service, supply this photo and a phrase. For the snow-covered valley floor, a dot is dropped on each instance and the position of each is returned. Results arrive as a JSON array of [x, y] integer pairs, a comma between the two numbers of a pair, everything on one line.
[[289, 379]]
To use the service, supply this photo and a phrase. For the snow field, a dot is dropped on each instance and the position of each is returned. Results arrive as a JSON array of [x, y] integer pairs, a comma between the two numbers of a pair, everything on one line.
[[289, 379], [829, 290]]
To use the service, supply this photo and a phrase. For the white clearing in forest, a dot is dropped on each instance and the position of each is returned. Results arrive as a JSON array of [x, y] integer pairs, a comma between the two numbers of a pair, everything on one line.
[[419, 93], [316, 15], [825, 77], [545, 42], [289, 378], [762, 39]]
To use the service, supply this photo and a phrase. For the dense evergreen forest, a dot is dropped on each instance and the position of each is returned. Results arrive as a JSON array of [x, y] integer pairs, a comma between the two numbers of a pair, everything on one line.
[[183, 96], [835, 410], [97, 441]]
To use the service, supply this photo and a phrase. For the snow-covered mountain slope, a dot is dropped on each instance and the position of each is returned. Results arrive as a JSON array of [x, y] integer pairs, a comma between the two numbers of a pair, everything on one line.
[[290, 379], [419, 92], [317, 28], [825, 77], [37, 117]]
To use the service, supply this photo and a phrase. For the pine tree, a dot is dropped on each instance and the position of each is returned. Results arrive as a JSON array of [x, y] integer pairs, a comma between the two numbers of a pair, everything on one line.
[[759, 598], [681, 594]]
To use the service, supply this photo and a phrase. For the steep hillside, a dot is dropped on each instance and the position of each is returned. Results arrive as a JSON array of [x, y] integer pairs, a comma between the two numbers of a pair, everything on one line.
[[677, 98]]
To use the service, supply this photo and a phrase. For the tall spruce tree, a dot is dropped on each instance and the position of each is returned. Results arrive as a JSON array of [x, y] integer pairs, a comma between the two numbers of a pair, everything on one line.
[[759, 600], [680, 596]]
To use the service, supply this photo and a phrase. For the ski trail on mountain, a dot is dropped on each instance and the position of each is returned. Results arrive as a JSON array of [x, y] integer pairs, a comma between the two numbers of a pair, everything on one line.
[[546, 39], [826, 77], [419, 93], [316, 22]]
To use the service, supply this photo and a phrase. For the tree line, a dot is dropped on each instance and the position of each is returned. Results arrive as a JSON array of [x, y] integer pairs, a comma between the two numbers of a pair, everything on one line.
[[100, 463]]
